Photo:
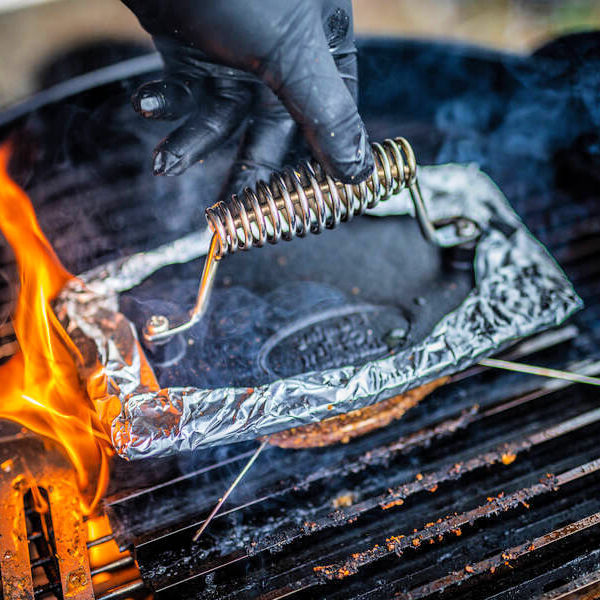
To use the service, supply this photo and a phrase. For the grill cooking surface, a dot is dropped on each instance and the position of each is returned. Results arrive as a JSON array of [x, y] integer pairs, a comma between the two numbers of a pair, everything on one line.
[[487, 489]]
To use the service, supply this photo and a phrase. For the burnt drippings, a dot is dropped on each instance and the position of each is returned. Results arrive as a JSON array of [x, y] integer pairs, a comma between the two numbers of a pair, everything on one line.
[[394, 497], [452, 524]]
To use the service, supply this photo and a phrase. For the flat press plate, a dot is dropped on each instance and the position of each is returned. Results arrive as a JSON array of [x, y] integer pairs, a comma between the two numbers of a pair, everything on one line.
[[362, 291]]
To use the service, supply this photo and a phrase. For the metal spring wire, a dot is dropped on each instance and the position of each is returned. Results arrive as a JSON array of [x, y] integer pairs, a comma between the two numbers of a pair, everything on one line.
[[297, 201]]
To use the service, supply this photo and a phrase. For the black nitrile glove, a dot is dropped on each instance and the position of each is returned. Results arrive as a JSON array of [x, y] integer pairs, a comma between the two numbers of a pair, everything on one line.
[[219, 54]]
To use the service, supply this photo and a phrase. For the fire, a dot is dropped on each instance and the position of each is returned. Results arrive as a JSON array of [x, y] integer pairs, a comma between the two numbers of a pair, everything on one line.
[[41, 388]]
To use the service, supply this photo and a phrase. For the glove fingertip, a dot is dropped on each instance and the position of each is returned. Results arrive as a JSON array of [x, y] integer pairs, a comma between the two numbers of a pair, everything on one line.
[[349, 160], [167, 163]]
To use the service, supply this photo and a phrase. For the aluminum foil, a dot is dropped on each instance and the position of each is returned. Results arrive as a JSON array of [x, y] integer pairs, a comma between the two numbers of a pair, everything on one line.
[[519, 290]]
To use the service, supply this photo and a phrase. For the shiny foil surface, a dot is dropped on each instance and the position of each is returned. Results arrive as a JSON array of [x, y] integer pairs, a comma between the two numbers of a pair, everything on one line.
[[519, 290]]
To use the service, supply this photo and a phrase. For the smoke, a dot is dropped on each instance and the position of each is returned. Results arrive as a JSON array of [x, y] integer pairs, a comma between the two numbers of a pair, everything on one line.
[[531, 122]]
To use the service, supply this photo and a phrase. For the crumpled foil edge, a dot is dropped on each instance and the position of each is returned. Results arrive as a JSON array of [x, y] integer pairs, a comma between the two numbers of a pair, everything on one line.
[[519, 290]]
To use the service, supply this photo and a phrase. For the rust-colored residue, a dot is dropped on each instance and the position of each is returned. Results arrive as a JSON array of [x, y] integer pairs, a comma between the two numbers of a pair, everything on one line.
[[343, 500], [332, 573], [309, 525], [76, 581], [398, 502], [343, 428], [392, 541], [350, 566], [508, 458]]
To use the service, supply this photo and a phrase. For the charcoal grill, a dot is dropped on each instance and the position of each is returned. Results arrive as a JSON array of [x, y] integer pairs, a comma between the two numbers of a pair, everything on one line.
[[488, 489]]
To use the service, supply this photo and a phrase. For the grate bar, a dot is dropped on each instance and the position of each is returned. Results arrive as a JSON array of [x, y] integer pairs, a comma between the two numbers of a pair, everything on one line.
[[100, 540], [449, 472], [121, 563], [503, 559], [187, 476], [124, 591], [495, 506], [586, 587]]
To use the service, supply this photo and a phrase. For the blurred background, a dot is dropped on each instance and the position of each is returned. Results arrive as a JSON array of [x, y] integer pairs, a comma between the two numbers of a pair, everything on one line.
[[33, 30]]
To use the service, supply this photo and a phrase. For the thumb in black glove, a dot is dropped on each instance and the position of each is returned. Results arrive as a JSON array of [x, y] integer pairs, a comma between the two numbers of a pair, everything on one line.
[[219, 56]]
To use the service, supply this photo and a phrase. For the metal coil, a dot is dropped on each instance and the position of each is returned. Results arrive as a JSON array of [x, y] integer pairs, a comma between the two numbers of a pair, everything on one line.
[[306, 199]]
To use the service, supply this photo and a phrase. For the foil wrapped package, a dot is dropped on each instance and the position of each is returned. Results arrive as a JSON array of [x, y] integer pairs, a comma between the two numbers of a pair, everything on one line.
[[311, 331]]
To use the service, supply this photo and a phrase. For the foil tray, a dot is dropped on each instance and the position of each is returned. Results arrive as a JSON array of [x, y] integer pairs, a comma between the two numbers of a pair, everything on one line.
[[292, 338]]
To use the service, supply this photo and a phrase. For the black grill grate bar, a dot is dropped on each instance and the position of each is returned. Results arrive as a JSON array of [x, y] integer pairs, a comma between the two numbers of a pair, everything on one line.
[[128, 590], [75, 180], [40, 562], [587, 585], [116, 565], [51, 589], [397, 545], [560, 209], [581, 249], [449, 472], [151, 490], [562, 235], [583, 271], [501, 559]]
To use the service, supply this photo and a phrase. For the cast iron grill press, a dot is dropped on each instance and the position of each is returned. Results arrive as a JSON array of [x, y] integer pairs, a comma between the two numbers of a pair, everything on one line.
[[518, 290], [309, 200]]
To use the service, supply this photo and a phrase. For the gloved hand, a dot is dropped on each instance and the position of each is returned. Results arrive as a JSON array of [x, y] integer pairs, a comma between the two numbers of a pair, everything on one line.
[[272, 65]]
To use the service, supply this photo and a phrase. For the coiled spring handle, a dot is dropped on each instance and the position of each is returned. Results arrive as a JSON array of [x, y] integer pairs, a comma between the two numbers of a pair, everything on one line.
[[298, 201]]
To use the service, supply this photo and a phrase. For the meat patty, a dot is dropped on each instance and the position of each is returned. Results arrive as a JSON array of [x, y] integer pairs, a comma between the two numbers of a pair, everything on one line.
[[342, 428]]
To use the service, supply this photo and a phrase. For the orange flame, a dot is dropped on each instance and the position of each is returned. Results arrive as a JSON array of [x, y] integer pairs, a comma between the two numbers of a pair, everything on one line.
[[41, 388]]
